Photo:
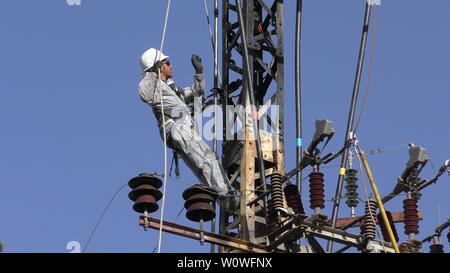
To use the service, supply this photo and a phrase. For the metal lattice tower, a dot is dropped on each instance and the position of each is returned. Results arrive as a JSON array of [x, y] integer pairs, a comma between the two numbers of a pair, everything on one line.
[[264, 34], [253, 157]]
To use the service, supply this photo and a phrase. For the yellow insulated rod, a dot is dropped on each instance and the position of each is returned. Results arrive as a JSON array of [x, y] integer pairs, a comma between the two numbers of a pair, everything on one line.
[[380, 203]]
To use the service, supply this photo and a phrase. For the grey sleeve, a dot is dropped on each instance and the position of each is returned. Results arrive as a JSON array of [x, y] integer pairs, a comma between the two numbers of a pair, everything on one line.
[[196, 90], [147, 87], [198, 87]]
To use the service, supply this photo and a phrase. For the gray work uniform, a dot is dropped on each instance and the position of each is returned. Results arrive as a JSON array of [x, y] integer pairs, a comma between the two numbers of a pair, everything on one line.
[[180, 131]]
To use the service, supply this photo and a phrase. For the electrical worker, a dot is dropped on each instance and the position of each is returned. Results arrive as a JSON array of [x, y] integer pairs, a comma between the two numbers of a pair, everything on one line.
[[178, 103]]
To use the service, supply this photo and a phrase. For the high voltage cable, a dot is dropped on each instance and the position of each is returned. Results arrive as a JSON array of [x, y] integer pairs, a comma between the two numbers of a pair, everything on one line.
[[102, 215], [370, 70]]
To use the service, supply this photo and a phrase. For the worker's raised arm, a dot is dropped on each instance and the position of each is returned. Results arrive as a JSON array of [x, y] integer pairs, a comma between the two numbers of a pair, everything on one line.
[[147, 86], [198, 87], [199, 81]]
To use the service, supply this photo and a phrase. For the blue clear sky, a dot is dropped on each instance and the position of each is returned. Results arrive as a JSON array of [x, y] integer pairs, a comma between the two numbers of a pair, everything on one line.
[[73, 129]]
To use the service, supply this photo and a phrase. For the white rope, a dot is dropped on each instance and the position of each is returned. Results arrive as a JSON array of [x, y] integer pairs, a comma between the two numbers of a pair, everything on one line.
[[164, 133], [175, 221]]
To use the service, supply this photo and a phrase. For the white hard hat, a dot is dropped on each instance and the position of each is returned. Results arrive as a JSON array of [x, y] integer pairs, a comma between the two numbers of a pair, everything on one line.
[[148, 59]]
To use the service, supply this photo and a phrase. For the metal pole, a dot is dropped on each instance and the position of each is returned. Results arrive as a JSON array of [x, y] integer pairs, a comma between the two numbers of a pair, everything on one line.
[[298, 91], [216, 70], [362, 50], [251, 97], [216, 85]]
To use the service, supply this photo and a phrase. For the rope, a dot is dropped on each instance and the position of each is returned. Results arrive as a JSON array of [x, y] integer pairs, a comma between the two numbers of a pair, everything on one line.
[[174, 221], [370, 71], [164, 134]]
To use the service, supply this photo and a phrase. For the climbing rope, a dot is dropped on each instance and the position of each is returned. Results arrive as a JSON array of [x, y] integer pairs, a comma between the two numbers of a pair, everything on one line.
[[164, 132]]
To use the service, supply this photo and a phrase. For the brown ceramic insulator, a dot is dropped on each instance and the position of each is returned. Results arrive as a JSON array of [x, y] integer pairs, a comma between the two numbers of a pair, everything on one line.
[[199, 202], [383, 227], [436, 248], [200, 211], [145, 203], [200, 188], [198, 198], [411, 212], [145, 178], [293, 199], [145, 189], [272, 217], [276, 190], [316, 190], [368, 227]]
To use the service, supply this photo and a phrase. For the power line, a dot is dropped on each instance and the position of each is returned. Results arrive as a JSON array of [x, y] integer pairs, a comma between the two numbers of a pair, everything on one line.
[[381, 151], [370, 70], [102, 215], [436, 187]]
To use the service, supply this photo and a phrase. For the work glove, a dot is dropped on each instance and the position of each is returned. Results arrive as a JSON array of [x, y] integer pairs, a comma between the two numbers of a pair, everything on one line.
[[197, 63], [155, 68]]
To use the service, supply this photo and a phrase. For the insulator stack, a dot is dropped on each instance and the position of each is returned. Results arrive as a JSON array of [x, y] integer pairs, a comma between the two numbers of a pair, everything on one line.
[[411, 216], [368, 227], [384, 230], [277, 191], [272, 220], [352, 188], [316, 190], [199, 202], [293, 199], [436, 248], [145, 192]]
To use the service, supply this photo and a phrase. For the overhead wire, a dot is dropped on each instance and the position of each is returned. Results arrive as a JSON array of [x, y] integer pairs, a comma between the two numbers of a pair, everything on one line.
[[210, 33], [436, 187], [209, 23], [203, 189], [381, 151], [370, 69], [102, 215]]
